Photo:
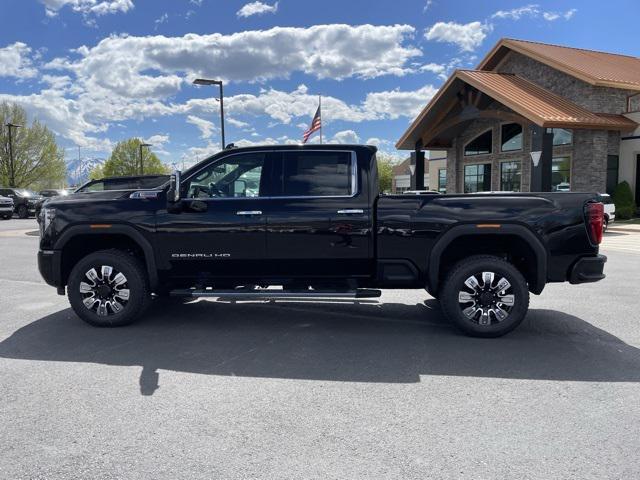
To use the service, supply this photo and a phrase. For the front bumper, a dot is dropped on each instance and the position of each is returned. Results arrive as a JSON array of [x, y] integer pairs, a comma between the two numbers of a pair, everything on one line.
[[50, 266], [6, 209], [588, 269]]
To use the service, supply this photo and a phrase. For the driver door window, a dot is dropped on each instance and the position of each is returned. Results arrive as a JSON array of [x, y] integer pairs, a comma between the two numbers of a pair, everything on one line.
[[236, 176]]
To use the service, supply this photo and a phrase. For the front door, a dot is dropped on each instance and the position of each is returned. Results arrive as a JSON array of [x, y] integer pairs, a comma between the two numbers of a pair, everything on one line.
[[319, 223], [219, 230]]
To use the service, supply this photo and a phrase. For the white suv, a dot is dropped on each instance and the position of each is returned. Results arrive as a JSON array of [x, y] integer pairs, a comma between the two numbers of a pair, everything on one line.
[[609, 209]]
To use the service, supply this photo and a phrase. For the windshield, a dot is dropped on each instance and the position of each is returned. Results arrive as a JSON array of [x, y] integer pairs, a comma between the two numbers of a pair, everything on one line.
[[25, 193]]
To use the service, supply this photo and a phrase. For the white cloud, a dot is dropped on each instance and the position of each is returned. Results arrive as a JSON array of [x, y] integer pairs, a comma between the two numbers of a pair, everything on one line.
[[87, 7], [156, 66], [205, 126], [552, 16], [257, 8], [164, 18], [158, 142], [345, 136], [531, 10], [15, 61], [427, 5], [299, 104], [398, 103], [467, 36], [237, 123]]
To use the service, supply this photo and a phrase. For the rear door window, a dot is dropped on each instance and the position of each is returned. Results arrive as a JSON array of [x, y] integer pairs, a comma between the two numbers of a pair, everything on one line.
[[318, 174]]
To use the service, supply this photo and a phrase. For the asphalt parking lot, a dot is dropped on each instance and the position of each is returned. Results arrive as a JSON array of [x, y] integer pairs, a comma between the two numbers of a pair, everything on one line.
[[319, 390]]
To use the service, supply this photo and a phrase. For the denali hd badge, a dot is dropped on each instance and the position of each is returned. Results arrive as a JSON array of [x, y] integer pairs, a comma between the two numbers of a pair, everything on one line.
[[188, 256]]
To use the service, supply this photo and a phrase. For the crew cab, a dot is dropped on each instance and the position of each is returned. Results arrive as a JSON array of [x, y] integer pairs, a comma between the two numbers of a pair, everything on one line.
[[308, 222]]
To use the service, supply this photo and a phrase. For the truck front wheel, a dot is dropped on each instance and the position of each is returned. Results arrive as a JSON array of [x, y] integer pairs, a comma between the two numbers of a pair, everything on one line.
[[485, 296], [108, 288]]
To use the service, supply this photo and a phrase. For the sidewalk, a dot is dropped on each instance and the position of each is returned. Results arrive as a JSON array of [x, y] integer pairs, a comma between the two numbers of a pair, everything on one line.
[[624, 227]]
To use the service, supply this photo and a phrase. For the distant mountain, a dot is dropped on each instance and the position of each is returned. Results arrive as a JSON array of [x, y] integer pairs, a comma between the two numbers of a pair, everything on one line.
[[78, 170]]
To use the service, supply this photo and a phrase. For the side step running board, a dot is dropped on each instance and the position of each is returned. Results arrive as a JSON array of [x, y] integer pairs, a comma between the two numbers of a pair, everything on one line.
[[275, 294]]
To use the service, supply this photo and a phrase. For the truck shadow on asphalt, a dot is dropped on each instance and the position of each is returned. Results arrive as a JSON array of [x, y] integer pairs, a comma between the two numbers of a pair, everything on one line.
[[353, 342]]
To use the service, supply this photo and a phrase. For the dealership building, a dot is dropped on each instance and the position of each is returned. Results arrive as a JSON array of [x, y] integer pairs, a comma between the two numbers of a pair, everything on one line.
[[532, 117]]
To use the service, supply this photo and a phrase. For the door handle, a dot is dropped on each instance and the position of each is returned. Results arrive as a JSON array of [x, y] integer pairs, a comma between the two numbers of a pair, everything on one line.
[[249, 212], [351, 211]]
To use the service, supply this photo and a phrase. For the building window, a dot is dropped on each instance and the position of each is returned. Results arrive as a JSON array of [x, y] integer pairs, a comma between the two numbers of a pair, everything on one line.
[[442, 180], [561, 174], [481, 145], [510, 176], [612, 173], [511, 137], [477, 178], [562, 137]]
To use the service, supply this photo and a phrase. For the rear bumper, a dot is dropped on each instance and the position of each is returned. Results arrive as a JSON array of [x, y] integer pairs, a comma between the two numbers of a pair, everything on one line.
[[50, 266], [588, 269]]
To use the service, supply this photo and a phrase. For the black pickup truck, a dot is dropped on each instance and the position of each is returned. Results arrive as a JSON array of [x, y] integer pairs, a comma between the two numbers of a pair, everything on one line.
[[309, 222]]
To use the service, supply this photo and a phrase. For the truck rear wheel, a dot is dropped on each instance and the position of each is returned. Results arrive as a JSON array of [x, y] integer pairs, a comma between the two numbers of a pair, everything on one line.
[[108, 288], [485, 296]]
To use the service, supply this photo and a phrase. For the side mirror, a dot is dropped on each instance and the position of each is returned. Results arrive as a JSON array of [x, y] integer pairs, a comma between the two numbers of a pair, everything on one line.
[[173, 195]]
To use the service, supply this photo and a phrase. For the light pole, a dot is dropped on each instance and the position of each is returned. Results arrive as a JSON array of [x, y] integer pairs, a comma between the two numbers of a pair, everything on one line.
[[141, 161], [12, 170], [204, 81]]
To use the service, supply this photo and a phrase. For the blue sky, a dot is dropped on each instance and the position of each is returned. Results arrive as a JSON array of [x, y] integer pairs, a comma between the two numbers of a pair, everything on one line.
[[99, 71]]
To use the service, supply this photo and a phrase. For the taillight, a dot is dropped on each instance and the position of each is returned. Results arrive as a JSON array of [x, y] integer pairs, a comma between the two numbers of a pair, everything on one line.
[[594, 213]]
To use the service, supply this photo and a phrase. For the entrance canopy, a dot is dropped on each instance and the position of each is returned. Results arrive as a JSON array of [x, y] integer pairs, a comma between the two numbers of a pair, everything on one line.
[[471, 94]]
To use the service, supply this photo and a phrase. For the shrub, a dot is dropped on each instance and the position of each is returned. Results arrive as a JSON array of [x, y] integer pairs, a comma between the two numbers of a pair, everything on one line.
[[623, 198]]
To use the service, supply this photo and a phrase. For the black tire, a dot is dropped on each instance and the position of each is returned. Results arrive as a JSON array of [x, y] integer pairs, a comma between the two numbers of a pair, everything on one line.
[[484, 300], [137, 285], [6, 217], [23, 212]]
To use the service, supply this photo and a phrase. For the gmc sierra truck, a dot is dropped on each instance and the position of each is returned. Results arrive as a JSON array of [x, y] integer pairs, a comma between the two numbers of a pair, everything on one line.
[[309, 222]]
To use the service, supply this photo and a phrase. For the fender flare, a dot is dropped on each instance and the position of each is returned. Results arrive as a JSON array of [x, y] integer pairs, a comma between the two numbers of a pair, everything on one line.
[[540, 252], [118, 229]]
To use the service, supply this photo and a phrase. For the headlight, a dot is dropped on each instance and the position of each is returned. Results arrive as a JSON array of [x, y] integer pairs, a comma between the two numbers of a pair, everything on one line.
[[48, 214]]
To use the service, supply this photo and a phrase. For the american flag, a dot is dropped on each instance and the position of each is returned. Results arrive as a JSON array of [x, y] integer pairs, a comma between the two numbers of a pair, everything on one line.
[[316, 124]]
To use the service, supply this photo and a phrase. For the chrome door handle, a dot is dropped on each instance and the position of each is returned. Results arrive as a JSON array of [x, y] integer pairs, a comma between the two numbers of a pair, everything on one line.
[[249, 212], [351, 211]]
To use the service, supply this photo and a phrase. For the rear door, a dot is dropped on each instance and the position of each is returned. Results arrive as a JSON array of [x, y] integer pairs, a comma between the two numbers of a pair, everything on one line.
[[319, 222]]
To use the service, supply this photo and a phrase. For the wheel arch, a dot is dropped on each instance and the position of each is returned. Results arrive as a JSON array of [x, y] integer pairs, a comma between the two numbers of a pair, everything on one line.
[[460, 241], [80, 240]]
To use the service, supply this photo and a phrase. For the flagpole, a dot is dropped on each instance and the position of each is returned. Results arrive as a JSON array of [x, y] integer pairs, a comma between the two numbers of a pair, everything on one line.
[[320, 108]]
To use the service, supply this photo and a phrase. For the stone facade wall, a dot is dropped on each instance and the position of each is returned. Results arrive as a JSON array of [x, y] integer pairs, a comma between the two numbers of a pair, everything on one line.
[[595, 99]]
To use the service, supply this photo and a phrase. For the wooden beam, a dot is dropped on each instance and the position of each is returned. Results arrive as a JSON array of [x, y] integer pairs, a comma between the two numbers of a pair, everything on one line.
[[501, 115]]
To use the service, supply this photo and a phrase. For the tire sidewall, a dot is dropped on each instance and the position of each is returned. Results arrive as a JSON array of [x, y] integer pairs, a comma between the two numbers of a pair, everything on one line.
[[136, 282], [455, 283]]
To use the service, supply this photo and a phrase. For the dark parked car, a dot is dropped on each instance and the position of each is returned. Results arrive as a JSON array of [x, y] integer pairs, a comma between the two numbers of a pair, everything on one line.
[[6, 207], [25, 202], [123, 183], [308, 222], [50, 193]]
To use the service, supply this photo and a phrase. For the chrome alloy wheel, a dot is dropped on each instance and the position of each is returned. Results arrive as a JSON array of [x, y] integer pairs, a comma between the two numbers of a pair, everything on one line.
[[485, 301], [106, 293]]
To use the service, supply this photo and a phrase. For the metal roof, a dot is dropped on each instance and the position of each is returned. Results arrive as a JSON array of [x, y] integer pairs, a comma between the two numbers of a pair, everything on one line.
[[596, 68], [539, 105], [529, 100]]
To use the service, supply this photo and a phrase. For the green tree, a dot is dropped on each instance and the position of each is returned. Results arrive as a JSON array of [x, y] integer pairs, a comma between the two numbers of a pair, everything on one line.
[[37, 161], [623, 198], [96, 173], [385, 172], [125, 160]]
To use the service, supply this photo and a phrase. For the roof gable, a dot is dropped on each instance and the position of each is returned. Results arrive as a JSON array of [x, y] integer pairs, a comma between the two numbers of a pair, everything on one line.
[[596, 68]]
